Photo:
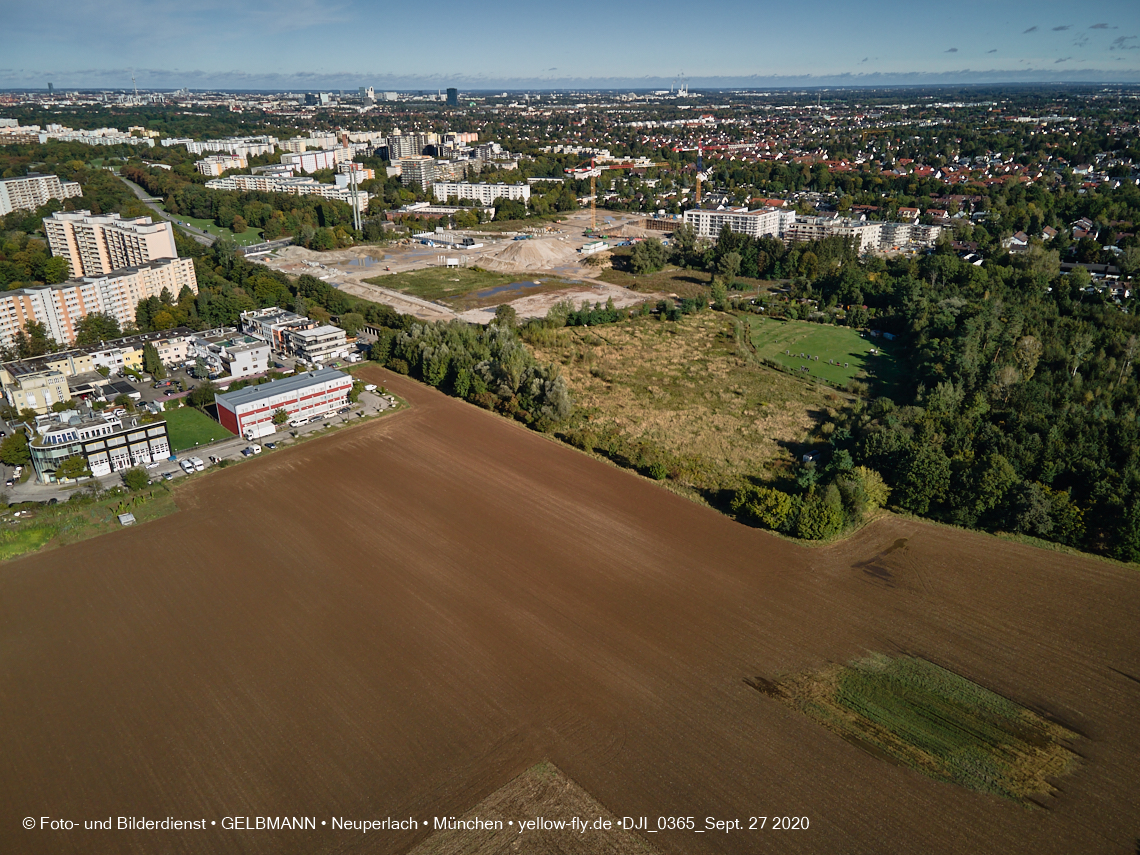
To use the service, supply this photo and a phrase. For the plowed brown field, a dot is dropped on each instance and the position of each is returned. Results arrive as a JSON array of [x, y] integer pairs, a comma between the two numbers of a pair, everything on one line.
[[401, 618]]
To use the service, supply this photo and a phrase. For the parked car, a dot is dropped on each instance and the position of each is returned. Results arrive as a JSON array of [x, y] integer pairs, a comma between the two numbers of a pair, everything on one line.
[[168, 476], [271, 445], [153, 465]]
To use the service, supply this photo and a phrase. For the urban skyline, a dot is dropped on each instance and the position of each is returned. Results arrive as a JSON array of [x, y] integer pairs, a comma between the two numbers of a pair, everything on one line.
[[723, 44]]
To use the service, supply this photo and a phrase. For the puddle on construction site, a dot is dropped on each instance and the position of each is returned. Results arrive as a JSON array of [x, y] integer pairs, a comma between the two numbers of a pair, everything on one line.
[[363, 261], [502, 289]]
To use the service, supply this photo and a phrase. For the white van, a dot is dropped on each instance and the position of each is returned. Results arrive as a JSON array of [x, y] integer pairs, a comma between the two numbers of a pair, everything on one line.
[[298, 422], [199, 465]]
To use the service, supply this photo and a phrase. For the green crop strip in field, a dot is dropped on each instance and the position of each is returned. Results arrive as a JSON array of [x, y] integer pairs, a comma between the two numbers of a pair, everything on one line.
[[920, 715]]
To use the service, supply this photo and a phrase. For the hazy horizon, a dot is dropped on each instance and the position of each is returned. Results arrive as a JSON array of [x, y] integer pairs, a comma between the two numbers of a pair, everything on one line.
[[342, 44]]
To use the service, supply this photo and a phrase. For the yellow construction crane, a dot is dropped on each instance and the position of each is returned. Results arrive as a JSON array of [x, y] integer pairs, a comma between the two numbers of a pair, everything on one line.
[[595, 170]]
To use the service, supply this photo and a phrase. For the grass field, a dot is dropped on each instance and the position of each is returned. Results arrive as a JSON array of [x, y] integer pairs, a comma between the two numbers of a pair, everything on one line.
[[935, 721], [249, 236], [187, 426], [462, 287], [683, 400], [836, 355]]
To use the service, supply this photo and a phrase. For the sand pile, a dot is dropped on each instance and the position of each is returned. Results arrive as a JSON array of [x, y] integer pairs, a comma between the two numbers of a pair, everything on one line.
[[534, 254]]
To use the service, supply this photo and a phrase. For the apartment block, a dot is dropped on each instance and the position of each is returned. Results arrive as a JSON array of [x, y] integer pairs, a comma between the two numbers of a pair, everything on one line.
[[237, 146], [482, 193], [274, 325], [759, 223], [96, 245], [311, 161], [31, 191], [60, 307], [418, 169], [867, 235], [216, 164], [296, 186], [318, 343]]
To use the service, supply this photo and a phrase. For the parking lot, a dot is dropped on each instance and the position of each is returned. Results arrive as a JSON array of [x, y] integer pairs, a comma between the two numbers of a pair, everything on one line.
[[231, 449]]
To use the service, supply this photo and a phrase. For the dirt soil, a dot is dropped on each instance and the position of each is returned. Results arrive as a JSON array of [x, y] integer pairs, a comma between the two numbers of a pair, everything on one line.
[[401, 618]]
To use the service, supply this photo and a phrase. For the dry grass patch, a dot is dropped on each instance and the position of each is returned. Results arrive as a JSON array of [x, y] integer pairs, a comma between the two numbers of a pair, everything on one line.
[[682, 400], [542, 791]]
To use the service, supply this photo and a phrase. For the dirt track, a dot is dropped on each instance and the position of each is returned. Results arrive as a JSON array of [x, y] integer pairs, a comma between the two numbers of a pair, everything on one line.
[[399, 619]]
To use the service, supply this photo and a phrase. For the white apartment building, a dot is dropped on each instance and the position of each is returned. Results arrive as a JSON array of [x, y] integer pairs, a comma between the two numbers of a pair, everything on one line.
[[237, 146], [216, 164], [485, 194], [98, 136], [295, 186], [60, 307], [311, 161], [418, 169], [319, 343], [95, 245], [894, 235], [234, 354], [868, 235], [31, 191], [764, 221], [274, 325]]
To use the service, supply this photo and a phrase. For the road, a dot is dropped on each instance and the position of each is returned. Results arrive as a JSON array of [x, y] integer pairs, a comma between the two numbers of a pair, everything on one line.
[[202, 237], [230, 448]]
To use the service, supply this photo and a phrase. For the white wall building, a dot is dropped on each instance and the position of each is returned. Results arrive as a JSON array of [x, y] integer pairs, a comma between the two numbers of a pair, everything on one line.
[[237, 146], [764, 221], [216, 164], [31, 191], [311, 161], [485, 194], [318, 344], [295, 186], [237, 355]]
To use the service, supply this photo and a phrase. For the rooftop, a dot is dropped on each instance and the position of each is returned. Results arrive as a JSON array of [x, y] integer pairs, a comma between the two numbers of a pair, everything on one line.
[[250, 394]]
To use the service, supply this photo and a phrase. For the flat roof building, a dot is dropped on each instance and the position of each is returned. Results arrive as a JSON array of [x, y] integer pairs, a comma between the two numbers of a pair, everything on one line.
[[307, 395], [759, 223], [106, 444], [318, 343], [273, 325], [485, 194], [236, 355], [31, 191], [61, 306], [216, 164], [95, 245]]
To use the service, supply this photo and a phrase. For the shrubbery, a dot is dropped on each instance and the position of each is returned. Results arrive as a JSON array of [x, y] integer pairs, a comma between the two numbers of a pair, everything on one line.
[[487, 366]]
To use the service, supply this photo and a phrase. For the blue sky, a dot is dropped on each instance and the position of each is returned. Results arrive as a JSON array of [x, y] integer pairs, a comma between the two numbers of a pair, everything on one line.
[[306, 44]]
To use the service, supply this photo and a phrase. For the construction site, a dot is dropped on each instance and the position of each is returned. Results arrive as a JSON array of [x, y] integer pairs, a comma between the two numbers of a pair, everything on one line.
[[549, 261]]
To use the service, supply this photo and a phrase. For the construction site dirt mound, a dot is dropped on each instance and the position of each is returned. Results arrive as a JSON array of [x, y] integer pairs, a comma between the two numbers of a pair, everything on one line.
[[533, 254]]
